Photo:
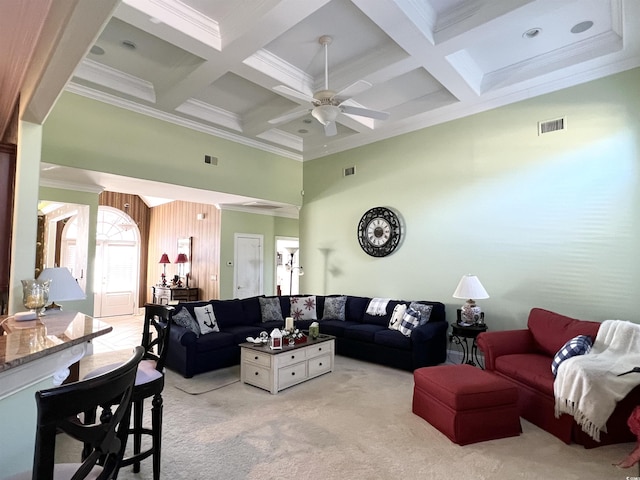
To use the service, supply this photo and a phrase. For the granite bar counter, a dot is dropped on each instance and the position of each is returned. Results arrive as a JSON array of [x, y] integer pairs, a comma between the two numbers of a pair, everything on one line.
[[34, 355]]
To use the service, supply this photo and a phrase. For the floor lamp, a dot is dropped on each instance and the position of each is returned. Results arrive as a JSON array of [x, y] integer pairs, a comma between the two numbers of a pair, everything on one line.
[[292, 251]]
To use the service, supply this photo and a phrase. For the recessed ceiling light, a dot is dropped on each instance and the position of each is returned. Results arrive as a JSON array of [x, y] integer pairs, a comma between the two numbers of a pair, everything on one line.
[[128, 44], [303, 130], [532, 32], [96, 50], [306, 120], [582, 26]]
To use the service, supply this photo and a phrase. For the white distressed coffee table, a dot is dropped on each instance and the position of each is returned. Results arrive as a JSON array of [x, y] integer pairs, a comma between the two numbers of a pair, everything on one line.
[[275, 370]]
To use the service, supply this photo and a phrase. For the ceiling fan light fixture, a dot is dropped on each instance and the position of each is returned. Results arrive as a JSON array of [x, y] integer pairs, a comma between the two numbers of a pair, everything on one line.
[[325, 114]]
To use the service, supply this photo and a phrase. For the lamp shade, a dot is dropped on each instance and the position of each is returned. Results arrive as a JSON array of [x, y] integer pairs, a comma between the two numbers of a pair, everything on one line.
[[181, 258], [164, 259], [63, 286], [470, 288]]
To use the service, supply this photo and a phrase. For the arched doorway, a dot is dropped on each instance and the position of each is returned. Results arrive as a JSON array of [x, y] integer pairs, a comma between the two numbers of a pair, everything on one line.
[[116, 263]]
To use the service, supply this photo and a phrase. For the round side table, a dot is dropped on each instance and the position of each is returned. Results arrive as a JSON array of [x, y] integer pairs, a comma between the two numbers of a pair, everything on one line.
[[460, 335]]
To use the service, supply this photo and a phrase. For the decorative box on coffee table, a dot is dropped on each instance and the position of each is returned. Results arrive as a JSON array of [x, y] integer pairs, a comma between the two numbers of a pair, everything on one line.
[[275, 370]]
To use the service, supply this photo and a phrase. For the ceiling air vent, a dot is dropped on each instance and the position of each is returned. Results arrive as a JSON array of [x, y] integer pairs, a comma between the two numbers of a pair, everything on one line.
[[552, 125], [349, 171]]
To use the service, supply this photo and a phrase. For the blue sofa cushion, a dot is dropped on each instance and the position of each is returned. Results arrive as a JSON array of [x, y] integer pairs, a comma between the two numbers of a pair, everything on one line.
[[241, 332], [355, 308], [229, 313], [364, 332], [392, 338], [214, 341], [335, 327], [251, 309]]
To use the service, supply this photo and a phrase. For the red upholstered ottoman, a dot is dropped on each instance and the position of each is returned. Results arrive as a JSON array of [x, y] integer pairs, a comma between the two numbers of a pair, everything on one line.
[[466, 403]]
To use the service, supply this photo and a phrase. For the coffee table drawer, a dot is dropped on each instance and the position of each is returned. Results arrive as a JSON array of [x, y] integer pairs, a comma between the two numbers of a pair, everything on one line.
[[258, 358], [291, 375], [319, 365], [320, 349], [289, 358], [256, 375]]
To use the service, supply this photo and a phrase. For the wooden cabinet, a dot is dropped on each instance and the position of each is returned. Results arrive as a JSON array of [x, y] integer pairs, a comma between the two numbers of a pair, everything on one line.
[[170, 295]]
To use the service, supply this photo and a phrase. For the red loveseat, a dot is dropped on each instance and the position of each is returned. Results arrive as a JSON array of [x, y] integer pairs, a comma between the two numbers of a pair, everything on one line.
[[524, 357]]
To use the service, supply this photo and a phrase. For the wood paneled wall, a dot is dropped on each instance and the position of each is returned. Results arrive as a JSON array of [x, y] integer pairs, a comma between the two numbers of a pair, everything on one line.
[[179, 220], [141, 215]]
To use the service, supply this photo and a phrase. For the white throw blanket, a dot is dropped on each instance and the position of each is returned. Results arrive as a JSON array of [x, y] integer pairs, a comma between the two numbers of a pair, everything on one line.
[[378, 306], [587, 386]]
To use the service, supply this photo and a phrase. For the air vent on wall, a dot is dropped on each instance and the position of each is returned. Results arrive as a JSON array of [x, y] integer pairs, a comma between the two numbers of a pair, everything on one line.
[[349, 171], [552, 125]]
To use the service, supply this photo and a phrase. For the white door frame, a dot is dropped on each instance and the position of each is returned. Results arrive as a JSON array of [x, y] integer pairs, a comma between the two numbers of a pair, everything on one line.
[[259, 237], [286, 241]]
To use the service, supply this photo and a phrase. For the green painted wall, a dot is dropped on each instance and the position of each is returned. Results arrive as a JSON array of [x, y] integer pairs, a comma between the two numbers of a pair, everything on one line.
[[18, 413], [240, 222], [81, 198], [88, 134], [551, 221]]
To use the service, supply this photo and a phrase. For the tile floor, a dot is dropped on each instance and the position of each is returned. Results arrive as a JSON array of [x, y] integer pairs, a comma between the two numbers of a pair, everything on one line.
[[126, 333]]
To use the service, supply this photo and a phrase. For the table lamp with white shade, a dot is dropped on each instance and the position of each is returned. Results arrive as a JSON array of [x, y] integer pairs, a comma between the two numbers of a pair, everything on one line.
[[471, 289], [63, 286]]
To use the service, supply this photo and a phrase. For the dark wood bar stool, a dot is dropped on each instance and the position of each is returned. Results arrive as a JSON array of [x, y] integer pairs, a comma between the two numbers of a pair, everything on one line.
[[149, 384], [105, 441]]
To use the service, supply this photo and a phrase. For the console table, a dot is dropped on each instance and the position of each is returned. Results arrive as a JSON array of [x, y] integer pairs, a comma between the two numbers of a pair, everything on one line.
[[275, 370], [168, 295]]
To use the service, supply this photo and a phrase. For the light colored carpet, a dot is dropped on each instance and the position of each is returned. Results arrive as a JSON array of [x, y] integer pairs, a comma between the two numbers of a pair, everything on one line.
[[354, 423]]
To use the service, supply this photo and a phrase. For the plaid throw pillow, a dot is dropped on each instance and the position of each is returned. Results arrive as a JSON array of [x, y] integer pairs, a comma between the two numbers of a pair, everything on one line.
[[410, 320], [576, 346]]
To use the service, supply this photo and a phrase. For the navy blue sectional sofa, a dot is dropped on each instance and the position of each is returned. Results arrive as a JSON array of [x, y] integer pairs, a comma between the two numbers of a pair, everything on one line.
[[359, 335]]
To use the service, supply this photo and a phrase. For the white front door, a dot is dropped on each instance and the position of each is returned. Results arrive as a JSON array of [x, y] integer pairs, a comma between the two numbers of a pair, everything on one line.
[[116, 264], [249, 265]]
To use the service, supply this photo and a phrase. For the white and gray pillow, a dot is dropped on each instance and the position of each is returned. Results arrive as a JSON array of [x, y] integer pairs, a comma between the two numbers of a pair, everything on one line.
[[183, 318], [206, 319], [270, 309], [303, 308], [396, 317], [334, 308], [423, 310]]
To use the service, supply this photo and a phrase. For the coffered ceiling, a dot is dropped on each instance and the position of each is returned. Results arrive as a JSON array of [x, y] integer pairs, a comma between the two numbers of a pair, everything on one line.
[[212, 65], [231, 68]]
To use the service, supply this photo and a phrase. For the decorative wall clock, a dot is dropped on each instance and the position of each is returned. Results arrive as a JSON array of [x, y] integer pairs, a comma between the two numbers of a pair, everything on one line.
[[379, 232]]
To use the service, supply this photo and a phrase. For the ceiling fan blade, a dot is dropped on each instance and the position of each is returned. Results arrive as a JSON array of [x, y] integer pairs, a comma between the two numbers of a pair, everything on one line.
[[364, 112], [297, 113], [330, 129], [352, 90], [293, 93]]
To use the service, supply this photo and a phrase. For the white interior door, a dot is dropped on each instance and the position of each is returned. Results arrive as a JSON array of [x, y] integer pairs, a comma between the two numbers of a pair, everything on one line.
[[249, 265]]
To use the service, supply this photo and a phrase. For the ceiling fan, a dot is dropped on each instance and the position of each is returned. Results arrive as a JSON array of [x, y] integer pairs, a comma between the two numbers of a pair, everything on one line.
[[327, 104]]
